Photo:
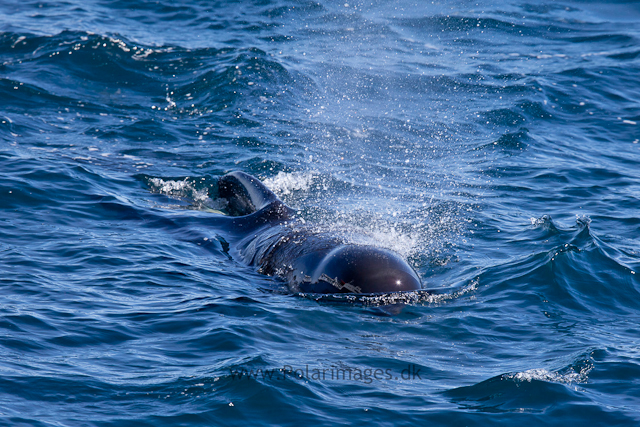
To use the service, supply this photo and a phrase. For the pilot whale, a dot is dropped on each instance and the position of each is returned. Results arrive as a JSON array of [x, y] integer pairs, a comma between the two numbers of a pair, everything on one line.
[[269, 236]]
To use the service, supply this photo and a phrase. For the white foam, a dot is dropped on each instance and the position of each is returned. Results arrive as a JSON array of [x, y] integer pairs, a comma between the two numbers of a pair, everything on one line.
[[572, 376], [121, 44], [184, 188], [545, 219], [414, 297]]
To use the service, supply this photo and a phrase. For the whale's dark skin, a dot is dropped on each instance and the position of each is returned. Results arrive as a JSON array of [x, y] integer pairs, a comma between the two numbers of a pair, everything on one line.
[[270, 237]]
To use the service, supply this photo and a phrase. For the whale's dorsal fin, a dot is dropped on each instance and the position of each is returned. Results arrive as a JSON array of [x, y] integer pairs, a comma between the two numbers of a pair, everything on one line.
[[246, 194]]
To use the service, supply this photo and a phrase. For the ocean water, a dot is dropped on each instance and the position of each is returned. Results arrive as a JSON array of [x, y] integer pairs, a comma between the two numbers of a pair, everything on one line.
[[494, 145]]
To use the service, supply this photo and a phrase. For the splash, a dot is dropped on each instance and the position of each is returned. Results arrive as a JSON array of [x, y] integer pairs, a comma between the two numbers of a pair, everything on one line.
[[377, 232], [286, 183], [426, 231]]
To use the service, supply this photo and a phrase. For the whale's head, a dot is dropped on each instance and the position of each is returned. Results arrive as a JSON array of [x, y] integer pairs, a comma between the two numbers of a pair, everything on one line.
[[365, 270]]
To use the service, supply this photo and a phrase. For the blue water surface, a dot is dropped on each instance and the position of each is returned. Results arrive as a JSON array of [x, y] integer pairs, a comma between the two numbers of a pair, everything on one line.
[[495, 145]]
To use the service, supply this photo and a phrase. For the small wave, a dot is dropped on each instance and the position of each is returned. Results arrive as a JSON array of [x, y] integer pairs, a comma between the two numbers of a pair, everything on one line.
[[533, 390], [571, 267], [87, 71]]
